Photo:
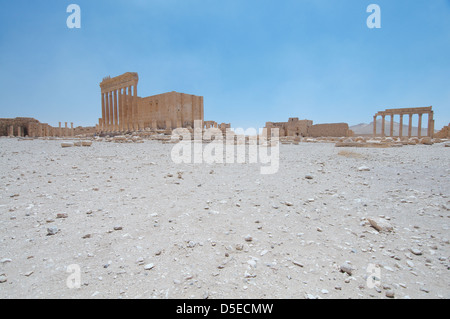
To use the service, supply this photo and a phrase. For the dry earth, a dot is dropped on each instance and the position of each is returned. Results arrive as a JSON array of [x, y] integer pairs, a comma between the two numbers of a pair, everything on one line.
[[140, 226]]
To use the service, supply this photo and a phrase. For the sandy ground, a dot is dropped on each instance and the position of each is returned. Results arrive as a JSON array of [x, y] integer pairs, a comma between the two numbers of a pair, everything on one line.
[[140, 226]]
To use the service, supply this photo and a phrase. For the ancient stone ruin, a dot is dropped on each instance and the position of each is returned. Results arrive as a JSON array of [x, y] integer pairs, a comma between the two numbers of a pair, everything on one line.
[[30, 127], [123, 110], [305, 128], [420, 111]]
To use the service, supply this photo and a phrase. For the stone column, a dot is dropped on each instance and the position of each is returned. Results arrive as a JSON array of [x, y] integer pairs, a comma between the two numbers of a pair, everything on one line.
[[419, 130], [374, 126], [400, 134], [106, 128], [66, 129], [135, 108], [120, 110], [130, 109], [125, 109], [59, 130], [71, 129], [111, 111], [102, 124], [392, 126], [116, 108], [383, 124], [11, 130], [410, 125], [430, 124]]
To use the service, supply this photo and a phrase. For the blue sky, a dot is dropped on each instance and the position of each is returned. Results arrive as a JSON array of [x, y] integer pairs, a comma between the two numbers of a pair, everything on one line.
[[252, 60]]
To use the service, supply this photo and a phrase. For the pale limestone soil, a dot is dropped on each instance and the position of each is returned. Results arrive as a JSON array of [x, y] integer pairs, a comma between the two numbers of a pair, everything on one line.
[[189, 228]]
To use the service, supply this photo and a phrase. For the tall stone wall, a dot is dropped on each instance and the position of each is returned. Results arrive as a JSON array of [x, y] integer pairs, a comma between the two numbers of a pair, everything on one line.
[[305, 128], [170, 110], [329, 130]]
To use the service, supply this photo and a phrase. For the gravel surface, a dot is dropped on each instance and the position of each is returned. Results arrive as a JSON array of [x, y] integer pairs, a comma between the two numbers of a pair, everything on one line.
[[124, 221]]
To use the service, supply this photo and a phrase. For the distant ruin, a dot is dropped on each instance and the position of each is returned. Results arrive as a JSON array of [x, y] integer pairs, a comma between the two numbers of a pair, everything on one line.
[[30, 127], [410, 112], [305, 128]]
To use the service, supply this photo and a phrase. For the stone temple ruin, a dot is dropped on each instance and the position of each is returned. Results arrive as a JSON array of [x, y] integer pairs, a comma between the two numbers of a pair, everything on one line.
[[123, 110], [305, 128], [30, 127], [410, 112]]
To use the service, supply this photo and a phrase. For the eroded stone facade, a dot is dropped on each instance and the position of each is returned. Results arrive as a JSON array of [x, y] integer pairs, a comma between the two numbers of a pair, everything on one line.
[[30, 127], [305, 128]]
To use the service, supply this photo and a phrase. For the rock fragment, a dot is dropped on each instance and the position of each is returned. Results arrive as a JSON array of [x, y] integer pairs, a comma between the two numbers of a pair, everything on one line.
[[346, 268], [380, 224], [52, 231]]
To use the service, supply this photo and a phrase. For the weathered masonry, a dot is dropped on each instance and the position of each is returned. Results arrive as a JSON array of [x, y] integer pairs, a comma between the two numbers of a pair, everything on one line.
[[410, 112], [305, 128], [25, 126], [123, 110]]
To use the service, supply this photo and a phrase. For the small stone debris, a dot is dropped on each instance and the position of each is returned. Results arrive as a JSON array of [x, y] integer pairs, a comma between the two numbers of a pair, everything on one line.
[[380, 224], [363, 168], [248, 238], [390, 293], [62, 215], [416, 251], [149, 266], [67, 144], [52, 231], [346, 268], [118, 227], [3, 278], [309, 176]]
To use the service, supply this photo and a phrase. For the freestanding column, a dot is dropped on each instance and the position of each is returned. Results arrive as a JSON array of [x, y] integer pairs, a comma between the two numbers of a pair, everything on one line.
[[374, 126], [107, 111], [125, 109], [116, 107], [400, 134], [410, 125], [383, 123], [419, 130], [103, 113], [71, 129], [60, 130], [111, 111], [135, 108], [392, 126], [130, 108], [430, 124]]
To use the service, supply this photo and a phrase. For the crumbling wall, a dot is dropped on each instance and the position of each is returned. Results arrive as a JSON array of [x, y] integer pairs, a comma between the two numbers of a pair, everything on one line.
[[444, 133], [329, 130]]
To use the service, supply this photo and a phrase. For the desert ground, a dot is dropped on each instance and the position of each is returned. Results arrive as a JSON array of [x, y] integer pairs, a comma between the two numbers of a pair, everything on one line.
[[138, 225]]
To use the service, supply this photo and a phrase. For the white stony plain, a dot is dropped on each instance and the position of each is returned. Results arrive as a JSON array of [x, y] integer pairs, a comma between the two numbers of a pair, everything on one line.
[[140, 226]]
